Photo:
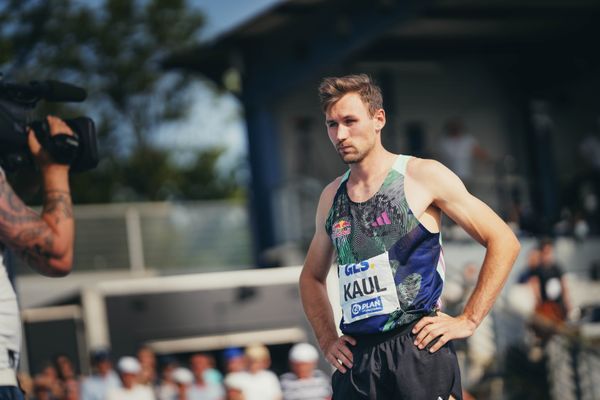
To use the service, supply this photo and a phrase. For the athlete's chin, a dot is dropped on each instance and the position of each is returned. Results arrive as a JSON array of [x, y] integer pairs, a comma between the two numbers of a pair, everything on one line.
[[351, 158]]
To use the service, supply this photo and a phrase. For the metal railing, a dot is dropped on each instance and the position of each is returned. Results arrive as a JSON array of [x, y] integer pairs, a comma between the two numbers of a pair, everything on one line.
[[163, 236]]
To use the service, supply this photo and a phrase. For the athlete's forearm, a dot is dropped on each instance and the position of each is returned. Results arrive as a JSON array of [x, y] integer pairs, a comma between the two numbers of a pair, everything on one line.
[[45, 242], [317, 308], [500, 256]]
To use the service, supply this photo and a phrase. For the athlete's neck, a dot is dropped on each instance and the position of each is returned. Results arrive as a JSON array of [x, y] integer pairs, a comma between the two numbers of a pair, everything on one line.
[[367, 176], [376, 164]]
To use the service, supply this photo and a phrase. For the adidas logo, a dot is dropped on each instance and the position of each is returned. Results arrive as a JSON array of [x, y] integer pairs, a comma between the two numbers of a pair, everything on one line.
[[382, 220]]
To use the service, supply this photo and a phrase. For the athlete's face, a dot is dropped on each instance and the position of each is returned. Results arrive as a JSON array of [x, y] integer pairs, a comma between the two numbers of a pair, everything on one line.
[[351, 129]]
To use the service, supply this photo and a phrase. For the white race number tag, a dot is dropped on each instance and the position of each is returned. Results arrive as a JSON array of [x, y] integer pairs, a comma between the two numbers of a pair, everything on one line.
[[367, 289]]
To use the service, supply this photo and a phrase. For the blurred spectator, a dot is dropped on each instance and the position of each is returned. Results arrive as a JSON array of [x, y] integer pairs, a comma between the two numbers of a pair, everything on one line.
[[68, 377], [183, 379], [147, 359], [458, 150], [262, 383], [533, 262], [103, 378], [234, 360], [167, 389], [234, 385], [129, 370], [550, 289], [202, 388], [305, 381], [47, 381], [41, 391]]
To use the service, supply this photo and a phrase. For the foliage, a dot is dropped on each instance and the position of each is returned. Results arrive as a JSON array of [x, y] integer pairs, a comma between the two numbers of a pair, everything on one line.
[[113, 49]]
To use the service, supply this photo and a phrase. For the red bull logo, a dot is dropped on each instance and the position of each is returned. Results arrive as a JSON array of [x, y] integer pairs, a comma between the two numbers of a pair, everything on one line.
[[341, 228]]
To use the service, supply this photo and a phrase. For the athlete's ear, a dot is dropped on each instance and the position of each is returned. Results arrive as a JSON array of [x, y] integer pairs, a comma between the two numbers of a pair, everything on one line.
[[379, 118]]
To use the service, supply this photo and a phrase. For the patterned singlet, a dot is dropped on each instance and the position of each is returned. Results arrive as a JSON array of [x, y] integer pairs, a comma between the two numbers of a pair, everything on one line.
[[390, 267]]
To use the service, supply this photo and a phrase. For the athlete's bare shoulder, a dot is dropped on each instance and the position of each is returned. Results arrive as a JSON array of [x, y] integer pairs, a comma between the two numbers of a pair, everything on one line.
[[326, 199], [424, 168]]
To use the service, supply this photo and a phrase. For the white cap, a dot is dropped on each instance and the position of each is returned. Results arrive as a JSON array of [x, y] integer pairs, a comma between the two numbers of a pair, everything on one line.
[[183, 375], [129, 365], [303, 352]]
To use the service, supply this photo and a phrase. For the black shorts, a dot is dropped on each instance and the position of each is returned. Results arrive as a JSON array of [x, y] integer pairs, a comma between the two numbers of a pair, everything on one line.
[[389, 366]]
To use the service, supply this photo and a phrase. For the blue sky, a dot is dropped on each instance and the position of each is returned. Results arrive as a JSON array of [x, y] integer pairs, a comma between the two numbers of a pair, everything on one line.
[[222, 15], [214, 120]]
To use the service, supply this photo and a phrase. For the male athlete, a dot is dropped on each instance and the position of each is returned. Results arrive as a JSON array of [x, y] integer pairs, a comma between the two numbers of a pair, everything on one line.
[[382, 221]]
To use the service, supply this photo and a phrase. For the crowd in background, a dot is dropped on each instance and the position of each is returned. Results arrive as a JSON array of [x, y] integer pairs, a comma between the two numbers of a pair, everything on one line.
[[245, 376]]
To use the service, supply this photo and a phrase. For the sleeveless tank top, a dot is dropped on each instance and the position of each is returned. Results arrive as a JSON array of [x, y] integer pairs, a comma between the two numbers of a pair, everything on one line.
[[390, 267]]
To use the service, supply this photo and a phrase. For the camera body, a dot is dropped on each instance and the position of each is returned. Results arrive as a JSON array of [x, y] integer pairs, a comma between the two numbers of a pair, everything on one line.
[[16, 102]]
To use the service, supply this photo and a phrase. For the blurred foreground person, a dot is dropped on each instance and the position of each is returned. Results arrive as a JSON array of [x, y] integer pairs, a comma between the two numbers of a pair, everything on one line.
[[380, 222], [44, 242], [129, 370], [305, 382]]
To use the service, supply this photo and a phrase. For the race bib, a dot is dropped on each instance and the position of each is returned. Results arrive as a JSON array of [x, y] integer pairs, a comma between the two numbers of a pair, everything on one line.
[[367, 289]]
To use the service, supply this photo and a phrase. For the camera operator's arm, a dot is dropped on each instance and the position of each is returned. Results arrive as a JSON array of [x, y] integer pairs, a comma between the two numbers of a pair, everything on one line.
[[44, 241]]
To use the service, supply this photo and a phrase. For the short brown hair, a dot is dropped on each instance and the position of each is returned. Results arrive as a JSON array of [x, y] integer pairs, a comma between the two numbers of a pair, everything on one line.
[[332, 89]]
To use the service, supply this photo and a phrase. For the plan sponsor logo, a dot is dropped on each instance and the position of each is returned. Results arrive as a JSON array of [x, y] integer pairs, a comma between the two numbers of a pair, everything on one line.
[[341, 228], [366, 307]]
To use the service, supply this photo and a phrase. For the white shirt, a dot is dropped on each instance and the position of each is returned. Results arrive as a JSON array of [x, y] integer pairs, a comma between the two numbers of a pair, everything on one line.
[[262, 385], [95, 387], [138, 392], [10, 322]]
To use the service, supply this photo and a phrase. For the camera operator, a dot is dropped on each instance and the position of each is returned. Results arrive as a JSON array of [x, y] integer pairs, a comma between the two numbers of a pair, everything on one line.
[[45, 242]]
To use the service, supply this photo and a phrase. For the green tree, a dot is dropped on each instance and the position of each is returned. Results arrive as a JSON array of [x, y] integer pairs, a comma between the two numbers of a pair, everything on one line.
[[113, 48]]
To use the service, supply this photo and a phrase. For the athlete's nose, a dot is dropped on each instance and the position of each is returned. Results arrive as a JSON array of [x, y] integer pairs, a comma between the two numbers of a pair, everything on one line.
[[341, 134]]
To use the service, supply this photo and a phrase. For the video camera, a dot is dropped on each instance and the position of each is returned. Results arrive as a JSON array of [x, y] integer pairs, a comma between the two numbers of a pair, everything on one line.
[[17, 100]]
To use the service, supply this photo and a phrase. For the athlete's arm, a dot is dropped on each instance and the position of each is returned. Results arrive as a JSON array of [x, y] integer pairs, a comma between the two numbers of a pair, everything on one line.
[[313, 289], [449, 194], [44, 241]]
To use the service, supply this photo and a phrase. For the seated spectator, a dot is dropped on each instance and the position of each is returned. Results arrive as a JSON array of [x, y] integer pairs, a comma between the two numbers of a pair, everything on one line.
[[103, 378], [262, 384], [203, 388], [48, 381], [552, 298], [305, 381], [68, 376], [234, 385], [183, 379], [129, 371], [167, 388], [234, 360], [147, 359]]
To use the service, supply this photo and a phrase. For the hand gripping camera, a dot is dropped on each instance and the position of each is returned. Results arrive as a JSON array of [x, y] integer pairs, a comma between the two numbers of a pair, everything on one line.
[[17, 100]]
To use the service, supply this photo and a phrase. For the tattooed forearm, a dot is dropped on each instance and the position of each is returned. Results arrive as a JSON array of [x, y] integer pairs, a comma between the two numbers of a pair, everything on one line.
[[12, 209], [44, 242], [58, 204]]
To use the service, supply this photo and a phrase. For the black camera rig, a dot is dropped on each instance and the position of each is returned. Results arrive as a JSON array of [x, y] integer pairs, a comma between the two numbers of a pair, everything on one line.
[[16, 102]]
